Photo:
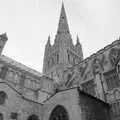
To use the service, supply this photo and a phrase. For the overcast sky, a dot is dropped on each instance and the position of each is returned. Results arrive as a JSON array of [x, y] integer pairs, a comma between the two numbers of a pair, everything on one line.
[[29, 22]]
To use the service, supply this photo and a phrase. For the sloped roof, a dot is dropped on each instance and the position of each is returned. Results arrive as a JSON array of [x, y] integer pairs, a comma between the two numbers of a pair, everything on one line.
[[19, 66]]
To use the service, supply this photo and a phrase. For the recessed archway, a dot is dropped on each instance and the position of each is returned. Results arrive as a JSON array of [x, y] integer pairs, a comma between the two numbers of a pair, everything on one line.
[[59, 113], [33, 117]]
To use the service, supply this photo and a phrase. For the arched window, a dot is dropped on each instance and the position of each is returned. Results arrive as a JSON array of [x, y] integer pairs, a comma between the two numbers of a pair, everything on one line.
[[68, 58], [3, 97], [1, 116], [33, 117], [3, 72], [59, 113], [57, 58]]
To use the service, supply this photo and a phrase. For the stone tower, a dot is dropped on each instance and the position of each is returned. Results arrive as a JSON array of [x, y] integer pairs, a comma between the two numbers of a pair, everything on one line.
[[62, 53]]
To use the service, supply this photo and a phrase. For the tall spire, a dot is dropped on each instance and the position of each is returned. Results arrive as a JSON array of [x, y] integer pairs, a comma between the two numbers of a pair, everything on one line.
[[63, 23]]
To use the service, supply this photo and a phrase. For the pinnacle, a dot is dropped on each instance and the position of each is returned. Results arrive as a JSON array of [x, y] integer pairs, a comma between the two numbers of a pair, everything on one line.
[[78, 42], [48, 42]]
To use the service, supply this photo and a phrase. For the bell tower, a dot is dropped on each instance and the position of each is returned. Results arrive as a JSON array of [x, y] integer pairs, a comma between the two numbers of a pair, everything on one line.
[[62, 53]]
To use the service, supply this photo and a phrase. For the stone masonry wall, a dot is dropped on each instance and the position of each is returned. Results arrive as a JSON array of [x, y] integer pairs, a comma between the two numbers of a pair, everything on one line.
[[15, 106], [99, 75]]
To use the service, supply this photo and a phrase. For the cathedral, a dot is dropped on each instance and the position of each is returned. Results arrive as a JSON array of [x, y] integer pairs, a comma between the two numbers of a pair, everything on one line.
[[69, 87]]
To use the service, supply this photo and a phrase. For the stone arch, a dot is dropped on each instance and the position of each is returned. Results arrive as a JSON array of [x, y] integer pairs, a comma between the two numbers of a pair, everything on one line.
[[59, 113], [33, 117]]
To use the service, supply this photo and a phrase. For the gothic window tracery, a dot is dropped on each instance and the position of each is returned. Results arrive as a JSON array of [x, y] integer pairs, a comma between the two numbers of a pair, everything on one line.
[[59, 113]]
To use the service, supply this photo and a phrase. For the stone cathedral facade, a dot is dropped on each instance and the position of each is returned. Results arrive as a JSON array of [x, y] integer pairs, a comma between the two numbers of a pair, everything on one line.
[[70, 87]]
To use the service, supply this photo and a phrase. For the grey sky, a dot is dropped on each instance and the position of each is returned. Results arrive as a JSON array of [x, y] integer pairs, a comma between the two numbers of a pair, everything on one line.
[[29, 22]]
